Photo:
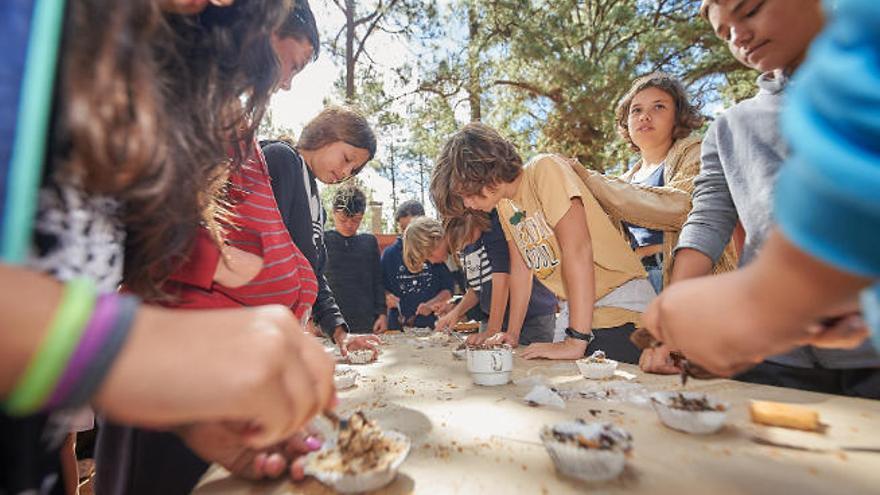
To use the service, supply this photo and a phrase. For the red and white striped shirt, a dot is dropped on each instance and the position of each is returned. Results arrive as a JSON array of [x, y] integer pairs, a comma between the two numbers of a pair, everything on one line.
[[286, 278]]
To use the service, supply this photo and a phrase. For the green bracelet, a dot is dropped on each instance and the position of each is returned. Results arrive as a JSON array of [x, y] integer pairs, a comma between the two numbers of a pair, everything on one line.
[[47, 364]]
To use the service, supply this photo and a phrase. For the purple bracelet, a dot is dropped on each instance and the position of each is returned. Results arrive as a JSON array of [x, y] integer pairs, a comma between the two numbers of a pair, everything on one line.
[[97, 330]]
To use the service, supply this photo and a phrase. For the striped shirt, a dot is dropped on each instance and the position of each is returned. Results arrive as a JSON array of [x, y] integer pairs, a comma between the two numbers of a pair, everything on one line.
[[256, 227]]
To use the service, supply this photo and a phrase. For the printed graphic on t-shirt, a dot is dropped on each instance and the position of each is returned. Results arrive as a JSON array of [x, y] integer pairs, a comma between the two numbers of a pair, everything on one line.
[[414, 283], [532, 236], [477, 269]]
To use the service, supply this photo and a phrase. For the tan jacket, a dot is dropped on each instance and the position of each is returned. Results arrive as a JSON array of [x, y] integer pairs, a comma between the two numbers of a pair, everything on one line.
[[660, 208]]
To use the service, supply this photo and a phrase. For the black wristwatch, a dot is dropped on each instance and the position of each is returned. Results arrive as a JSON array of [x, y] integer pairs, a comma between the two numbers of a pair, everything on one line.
[[586, 337]]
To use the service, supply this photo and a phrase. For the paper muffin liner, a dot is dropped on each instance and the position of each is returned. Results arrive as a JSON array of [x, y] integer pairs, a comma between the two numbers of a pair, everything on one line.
[[360, 356], [596, 371], [345, 378], [696, 422], [360, 482], [583, 463]]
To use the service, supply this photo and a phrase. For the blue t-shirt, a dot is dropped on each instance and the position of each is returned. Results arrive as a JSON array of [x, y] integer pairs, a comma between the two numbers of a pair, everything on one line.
[[15, 24], [641, 236], [490, 254], [828, 194], [412, 288]]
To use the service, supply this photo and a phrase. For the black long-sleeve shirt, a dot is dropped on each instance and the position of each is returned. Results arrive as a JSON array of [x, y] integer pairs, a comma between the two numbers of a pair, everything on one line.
[[355, 276], [296, 193]]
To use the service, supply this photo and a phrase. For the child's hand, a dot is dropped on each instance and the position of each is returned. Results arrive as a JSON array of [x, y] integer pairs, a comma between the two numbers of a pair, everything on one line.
[[236, 267], [349, 342], [221, 443], [380, 325], [714, 322], [259, 369], [657, 360], [501, 338], [392, 301], [847, 333], [442, 308], [478, 339], [567, 349], [424, 309], [446, 322]]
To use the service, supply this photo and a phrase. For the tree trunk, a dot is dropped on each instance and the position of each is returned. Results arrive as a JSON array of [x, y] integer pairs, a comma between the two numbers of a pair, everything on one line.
[[349, 50], [393, 179], [474, 89]]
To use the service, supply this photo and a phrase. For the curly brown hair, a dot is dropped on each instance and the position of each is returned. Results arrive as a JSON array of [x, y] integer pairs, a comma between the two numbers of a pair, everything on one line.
[[459, 222], [475, 157], [150, 107], [687, 115]]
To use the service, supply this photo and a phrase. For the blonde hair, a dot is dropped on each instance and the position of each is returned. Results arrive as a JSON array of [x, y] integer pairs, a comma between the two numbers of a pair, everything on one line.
[[419, 240]]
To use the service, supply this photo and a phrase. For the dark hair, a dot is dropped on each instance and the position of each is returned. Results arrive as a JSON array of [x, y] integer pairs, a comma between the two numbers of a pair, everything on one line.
[[151, 106], [477, 156], [338, 124], [300, 24], [687, 116], [350, 200], [409, 208], [459, 222]]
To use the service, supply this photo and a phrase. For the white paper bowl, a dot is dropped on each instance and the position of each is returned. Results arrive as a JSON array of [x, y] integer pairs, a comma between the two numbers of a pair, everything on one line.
[[345, 378], [361, 356], [361, 482], [582, 463], [596, 371], [696, 422]]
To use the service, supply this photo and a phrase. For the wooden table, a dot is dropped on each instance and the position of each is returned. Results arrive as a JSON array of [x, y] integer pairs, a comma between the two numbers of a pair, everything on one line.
[[484, 440]]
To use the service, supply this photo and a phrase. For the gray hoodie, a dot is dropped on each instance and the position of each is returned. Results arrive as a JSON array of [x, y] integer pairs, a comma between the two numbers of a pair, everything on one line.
[[741, 156]]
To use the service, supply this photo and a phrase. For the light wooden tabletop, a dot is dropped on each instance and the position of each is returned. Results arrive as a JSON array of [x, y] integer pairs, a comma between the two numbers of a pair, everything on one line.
[[484, 440]]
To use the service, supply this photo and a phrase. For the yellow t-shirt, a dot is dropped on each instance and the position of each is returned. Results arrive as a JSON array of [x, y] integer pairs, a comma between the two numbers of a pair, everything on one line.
[[544, 197]]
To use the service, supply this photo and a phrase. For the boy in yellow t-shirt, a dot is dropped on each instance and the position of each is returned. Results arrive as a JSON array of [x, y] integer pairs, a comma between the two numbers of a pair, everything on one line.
[[556, 230]]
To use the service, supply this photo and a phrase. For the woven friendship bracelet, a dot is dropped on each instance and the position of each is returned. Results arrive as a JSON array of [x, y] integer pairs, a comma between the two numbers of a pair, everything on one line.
[[46, 365], [101, 362]]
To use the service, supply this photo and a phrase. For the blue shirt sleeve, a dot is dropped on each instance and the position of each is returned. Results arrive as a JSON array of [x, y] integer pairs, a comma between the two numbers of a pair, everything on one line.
[[828, 194]]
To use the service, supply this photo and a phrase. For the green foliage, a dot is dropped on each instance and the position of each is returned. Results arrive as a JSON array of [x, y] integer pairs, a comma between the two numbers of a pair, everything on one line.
[[547, 73]]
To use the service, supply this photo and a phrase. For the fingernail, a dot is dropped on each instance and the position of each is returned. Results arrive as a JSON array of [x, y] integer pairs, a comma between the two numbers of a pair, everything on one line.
[[313, 443]]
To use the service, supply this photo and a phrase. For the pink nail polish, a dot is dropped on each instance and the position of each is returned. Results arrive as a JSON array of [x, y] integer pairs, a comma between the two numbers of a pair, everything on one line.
[[313, 443]]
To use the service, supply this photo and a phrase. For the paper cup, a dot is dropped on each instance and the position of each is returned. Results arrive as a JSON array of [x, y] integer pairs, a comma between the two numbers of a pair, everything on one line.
[[490, 367], [345, 378]]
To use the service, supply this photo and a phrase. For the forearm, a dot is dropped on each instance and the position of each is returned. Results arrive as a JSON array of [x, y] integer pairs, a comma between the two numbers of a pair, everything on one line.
[[520, 288], [467, 302], [498, 305], [441, 297], [326, 311], [661, 208], [690, 263], [797, 288], [580, 286], [25, 298]]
